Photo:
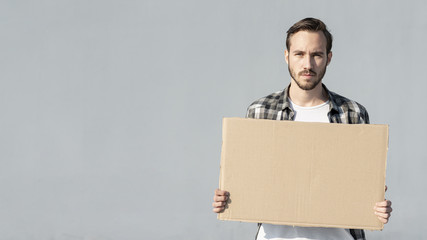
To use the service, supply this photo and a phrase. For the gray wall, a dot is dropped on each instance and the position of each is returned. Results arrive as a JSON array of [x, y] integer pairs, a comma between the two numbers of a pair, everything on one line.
[[110, 123]]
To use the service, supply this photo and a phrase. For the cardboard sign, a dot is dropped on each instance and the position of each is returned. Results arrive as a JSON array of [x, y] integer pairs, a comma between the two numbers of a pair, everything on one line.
[[303, 174]]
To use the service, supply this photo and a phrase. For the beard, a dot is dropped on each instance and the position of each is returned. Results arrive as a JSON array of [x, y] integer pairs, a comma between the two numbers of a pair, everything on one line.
[[307, 85]]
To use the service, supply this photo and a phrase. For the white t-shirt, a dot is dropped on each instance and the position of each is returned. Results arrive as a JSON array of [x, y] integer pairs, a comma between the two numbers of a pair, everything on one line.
[[317, 113], [280, 232]]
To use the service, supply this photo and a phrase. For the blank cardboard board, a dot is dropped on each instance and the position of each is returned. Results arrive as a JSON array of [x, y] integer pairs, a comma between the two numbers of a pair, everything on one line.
[[303, 174]]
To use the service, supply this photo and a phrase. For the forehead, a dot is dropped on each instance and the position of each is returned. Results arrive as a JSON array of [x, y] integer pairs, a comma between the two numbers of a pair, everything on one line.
[[307, 41]]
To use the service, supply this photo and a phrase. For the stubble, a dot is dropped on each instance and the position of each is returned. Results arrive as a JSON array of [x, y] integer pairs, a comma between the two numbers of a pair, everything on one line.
[[307, 85]]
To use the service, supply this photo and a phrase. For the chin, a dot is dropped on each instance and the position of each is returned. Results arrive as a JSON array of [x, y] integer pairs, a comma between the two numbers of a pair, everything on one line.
[[308, 86]]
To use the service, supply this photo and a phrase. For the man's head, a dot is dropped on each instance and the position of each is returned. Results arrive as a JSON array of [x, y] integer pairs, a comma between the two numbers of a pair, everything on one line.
[[308, 52], [310, 25]]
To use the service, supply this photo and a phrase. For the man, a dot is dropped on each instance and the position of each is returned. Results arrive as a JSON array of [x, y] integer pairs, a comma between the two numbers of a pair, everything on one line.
[[308, 53]]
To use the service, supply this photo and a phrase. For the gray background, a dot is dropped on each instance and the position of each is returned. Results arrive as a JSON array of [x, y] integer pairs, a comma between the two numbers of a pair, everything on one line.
[[110, 124]]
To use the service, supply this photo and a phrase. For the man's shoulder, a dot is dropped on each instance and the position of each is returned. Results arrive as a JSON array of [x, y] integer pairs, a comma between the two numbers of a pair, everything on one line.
[[346, 104], [349, 111], [267, 107], [270, 101]]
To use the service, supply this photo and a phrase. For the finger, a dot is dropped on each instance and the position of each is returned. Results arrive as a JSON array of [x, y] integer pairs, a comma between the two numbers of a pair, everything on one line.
[[383, 215], [384, 209], [221, 192], [220, 198], [218, 204], [383, 220], [386, 203], [218, 209]]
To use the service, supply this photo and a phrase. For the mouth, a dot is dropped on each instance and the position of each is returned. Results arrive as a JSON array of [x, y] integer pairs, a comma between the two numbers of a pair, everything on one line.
[[307, 74]]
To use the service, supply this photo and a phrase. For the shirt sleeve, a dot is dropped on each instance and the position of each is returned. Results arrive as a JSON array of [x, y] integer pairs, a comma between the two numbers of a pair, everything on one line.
[[366, 117], [250, 112]]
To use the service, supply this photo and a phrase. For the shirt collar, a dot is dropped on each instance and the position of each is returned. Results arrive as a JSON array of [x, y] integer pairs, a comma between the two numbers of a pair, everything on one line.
[[285, 105]]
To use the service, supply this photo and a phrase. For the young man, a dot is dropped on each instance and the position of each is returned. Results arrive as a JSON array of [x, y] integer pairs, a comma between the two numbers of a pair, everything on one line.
[[308, 53]]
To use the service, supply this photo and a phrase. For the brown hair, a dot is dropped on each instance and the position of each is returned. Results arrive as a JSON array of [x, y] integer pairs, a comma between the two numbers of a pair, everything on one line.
[[312, 25]]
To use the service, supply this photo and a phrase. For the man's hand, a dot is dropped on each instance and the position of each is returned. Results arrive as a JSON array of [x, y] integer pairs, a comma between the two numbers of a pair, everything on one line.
[[383, 210], [220, 200]]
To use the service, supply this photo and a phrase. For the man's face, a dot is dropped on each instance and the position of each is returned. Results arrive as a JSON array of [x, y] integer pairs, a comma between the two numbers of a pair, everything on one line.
[[307, 58]]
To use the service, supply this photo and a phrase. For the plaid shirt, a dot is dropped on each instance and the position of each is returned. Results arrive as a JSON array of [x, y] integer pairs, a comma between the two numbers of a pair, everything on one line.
[[276, 106]]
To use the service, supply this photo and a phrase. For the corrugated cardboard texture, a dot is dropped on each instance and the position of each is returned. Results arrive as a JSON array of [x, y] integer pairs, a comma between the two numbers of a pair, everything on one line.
[[303, 174]]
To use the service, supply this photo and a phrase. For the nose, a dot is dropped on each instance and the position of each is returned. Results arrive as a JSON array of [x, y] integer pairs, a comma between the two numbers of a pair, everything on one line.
[[308, 64]]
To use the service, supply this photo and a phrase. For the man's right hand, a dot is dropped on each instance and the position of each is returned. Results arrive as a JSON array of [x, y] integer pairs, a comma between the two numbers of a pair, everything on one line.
[[220, 200]]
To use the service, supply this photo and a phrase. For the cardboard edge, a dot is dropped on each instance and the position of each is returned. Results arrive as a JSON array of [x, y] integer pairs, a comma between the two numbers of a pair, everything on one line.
[[380, 228], [221, 175], [387, 126]]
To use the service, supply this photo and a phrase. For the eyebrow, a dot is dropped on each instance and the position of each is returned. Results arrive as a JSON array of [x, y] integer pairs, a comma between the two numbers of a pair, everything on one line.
[[318, 53], [315, 52], [298, 51]]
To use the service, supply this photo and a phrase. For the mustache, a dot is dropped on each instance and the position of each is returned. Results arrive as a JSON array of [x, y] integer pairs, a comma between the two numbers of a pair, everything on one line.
[[305, 72]]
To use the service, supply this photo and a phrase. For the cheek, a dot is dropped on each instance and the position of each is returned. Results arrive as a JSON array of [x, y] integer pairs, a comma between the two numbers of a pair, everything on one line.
[[322, 62], [295, 62]]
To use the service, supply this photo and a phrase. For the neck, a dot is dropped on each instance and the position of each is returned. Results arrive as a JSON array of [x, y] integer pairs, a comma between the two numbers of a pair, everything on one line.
[[307, 98]]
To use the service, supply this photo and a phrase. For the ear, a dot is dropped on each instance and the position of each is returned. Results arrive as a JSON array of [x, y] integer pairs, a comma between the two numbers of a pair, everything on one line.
[[329, 58], [287, 56]]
